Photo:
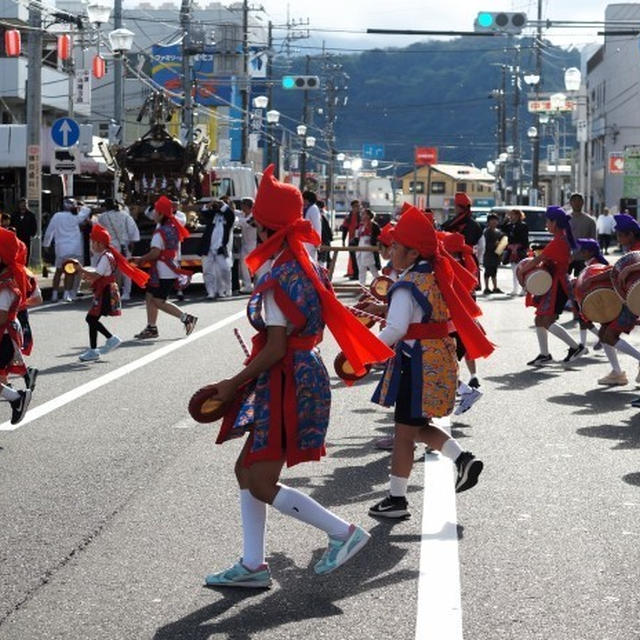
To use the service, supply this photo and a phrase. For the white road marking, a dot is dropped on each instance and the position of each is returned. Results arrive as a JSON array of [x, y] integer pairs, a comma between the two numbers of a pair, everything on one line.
[[439, 601], [92, 385]]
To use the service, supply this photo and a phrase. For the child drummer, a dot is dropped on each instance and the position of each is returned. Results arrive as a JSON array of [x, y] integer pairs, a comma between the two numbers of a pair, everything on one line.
[[13, 292], [106, 295], [550, 305], [284, 388], [420, 381]]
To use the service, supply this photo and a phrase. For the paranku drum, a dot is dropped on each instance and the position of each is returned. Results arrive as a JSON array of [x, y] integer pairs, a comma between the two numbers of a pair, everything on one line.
[[625, 277], [537, 281], [204, 407], [344, 369], [594, 293], [380, 286], [503, 243]]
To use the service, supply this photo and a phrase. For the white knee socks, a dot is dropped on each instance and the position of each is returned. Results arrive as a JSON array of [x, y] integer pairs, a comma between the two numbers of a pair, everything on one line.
[[254, 524], [624, 347], [8, 393], [451, 449], [296, 504], [543, 340], [398, 486], [613, 357], [562, 334]]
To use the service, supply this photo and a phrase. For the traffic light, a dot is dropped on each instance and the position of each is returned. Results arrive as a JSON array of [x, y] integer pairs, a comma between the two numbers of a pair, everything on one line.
[[509, 22], [300, 82]]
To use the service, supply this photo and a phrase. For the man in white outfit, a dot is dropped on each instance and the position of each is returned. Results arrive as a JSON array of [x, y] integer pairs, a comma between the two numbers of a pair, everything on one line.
[[64, 230], [249, 241], [124, 233], [312, 214], [216, 248]]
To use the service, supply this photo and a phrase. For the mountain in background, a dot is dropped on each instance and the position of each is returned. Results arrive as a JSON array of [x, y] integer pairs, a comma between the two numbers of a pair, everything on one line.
[[431, 93]]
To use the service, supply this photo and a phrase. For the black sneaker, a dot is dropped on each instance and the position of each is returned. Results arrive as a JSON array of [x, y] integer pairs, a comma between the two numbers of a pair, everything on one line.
[[30, 378], [498, 290], [635, 403], [20, 405], [189, 324], [573, 353], [469, 468], [147, 333], [487, 292], [540, 361], [474, 383], [391, 507]]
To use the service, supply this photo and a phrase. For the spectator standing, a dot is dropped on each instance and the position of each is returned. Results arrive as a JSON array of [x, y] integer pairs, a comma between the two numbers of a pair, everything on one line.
[[327, 234], [605, 226], [249, 241], [582, 226], [518, 236], [367, 233], [349, 227], [491, 260], [25, 224], [216, 248], [312, 214]]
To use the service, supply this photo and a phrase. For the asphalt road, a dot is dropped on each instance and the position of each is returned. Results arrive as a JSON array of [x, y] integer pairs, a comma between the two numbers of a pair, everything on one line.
[[116, 504]]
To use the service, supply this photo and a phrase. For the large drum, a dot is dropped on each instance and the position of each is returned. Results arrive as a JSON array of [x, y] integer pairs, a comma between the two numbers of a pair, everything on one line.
[[594, 293], [536, 281], [625, 277]]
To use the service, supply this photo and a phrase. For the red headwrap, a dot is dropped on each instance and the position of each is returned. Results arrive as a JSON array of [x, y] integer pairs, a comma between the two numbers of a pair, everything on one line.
[[101, 235], [10, 256], [416, 232], [455, 243], [385, 237], [462, 198], [164, 207], [278, 207]]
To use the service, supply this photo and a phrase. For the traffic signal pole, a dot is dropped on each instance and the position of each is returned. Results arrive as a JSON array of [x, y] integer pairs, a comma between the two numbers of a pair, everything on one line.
[[305, 117], [535, 159], [245, 82]]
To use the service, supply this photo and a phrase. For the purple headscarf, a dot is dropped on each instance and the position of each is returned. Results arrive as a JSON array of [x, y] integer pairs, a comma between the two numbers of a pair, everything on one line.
[[592, 246], [563, 220]]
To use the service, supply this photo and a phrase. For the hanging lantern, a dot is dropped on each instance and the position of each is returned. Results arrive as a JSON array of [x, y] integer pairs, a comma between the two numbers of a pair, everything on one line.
[[64, 47], [12, 42], [99, 67]]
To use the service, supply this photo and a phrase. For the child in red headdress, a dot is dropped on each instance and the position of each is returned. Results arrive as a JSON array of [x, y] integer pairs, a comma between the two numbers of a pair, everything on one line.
[[420, 381], [106, 295], [284, 392], [13, 291], [166, 275]]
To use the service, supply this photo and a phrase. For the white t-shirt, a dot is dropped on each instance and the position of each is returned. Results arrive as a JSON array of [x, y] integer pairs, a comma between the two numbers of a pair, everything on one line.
[[7, 298], [605, 224], [312, 214], [272, 313], [103, 265], [164, 273]]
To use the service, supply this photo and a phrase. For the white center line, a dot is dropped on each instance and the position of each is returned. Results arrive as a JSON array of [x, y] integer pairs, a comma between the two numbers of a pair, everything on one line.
[[92, 385], [439, 602]]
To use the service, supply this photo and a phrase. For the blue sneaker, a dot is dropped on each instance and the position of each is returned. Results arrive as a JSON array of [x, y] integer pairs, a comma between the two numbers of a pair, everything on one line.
[[239, 576], [339, 551], [112, 343]]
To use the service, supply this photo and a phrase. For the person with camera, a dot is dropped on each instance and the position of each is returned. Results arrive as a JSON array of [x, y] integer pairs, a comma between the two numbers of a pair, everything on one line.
[[64, 230], [215, 248], [249, 241]]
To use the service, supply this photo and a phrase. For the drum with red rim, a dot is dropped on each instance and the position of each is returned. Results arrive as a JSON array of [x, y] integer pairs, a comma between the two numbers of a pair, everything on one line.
[[536, 281], [595, 295], [380, 286], [344, 369], [205, 408], [625, 277]]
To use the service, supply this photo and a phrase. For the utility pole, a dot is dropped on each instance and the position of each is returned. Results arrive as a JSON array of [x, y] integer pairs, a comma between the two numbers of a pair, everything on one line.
[[34, 126], [71, 70], [117, 77], [187, 106], [305, 117], [515, 134], [535, 160], [270, 91], [245, 82]]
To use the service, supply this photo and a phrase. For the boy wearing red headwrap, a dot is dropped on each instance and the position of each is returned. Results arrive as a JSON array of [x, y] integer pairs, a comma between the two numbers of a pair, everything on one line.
[[106, 295], [13, 291], [283, 391], [166, 275], [420, 381]]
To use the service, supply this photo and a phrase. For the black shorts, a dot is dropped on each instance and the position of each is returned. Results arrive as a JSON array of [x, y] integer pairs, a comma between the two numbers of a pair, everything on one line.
[[402, 413], [6, 351], [164, 288], [491, 267]]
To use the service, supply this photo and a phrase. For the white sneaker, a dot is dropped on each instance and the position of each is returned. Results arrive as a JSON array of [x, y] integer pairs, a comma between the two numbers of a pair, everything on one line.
[[67, 297], [54, 296], [89, 355], [112, 343], [613, 379], [467, 400]]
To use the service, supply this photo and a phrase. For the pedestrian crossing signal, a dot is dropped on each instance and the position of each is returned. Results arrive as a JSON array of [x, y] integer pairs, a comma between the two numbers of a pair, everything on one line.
[[509, 22], [300, 82]]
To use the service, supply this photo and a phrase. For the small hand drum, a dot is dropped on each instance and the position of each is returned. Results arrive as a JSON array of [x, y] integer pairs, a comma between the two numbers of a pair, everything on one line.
[[345, 371], [70, 267], [205, 408], [367, 321], [594, 294], [625, 277], [380, 287], [536, 281], [503, 243]]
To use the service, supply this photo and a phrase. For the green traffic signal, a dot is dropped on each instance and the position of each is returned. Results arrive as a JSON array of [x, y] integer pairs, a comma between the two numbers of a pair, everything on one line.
[[485, 19], [288, 82]]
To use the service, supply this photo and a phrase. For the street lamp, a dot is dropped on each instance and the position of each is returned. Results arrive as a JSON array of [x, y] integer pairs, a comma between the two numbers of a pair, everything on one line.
[[98, 13], [533, 80], [121, 41], [273, 118], [310, 142], [301, 130], [532, 134], [341, 157], [260, 102], [572, 79]]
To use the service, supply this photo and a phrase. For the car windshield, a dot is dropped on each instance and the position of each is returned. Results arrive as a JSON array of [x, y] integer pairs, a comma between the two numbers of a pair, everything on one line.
[[536, 220]]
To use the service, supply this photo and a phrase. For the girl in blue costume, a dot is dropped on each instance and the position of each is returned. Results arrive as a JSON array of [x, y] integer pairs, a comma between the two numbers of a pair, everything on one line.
[[284, 388]]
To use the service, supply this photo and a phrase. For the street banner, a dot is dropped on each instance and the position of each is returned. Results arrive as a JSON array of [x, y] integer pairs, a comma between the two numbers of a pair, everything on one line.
[[631, 183], [536, 106], [616, 162], [426, 156]]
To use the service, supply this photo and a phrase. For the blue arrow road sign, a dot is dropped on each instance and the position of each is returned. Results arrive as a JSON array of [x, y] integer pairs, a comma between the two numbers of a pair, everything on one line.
[[373, 151], [65, 132]]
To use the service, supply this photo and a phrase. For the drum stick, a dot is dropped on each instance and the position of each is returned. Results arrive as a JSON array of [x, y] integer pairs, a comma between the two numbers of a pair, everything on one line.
[[360, 312], [243, 344]]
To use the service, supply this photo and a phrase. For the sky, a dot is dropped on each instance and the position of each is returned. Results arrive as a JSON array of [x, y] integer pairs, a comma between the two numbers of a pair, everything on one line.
[[358, 15]]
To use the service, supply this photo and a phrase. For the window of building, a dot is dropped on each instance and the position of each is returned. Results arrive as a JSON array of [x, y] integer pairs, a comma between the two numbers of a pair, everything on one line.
[[419, 186], [461, 186], [103, 129], [437, 187]]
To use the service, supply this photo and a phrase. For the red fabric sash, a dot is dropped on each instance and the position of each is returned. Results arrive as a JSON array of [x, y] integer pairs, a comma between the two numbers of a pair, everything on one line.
[[359, 345], [427, 331]]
